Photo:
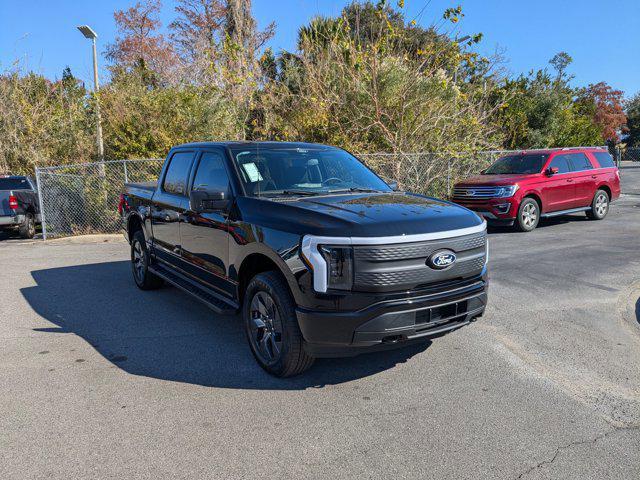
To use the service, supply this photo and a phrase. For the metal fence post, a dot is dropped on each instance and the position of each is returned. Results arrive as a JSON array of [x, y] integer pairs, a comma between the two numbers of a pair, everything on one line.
[[43, 222], [126, 175], [448, 176]]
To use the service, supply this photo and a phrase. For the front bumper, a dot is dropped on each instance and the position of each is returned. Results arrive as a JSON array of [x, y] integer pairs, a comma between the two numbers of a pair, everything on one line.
[[11, 220], [391, 323], [496, 211]]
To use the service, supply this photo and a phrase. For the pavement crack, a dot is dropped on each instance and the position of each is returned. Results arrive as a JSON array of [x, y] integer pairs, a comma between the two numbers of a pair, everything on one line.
[[576, 443]]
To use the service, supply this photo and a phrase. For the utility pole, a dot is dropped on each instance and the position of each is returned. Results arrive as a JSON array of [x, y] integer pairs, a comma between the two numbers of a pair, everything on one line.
[[90, 34]]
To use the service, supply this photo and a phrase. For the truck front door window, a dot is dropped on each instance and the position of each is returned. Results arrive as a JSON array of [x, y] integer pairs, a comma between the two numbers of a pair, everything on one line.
[[212, 174]]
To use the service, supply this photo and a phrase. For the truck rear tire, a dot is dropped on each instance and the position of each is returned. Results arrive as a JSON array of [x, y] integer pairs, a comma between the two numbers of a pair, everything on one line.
[[28, 228], [140, 259], [599, 206], [271, 325]]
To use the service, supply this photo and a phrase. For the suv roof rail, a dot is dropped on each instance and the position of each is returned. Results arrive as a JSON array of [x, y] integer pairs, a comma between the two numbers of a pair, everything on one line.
[[580, 148], [553, 149]]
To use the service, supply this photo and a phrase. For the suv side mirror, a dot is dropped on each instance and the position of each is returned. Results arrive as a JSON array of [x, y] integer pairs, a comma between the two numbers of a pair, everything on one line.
[[394, 186], [552, 171], [202, 201]]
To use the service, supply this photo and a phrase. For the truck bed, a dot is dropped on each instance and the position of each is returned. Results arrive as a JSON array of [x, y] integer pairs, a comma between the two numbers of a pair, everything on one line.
[[141, 190]]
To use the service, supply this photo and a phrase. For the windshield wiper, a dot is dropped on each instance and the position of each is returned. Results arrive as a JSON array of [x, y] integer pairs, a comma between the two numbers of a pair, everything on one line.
[[356, 189], [300, 192]]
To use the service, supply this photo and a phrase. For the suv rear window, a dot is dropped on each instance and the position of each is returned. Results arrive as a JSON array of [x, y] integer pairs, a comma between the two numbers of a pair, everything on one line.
[[14, 184], [604, 159]]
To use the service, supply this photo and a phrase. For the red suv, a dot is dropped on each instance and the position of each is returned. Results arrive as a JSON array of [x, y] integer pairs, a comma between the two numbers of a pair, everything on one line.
[[521, 188]]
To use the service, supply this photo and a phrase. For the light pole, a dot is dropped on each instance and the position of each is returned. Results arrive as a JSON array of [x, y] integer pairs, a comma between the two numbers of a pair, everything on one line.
[[90, 34]]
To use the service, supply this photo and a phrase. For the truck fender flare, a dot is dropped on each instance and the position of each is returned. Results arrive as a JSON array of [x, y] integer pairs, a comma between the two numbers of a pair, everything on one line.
[[264, 250], [135, 216]]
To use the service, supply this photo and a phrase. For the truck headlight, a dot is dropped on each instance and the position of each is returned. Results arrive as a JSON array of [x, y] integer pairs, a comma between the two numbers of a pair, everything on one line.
[[339, 266], [506, 191]]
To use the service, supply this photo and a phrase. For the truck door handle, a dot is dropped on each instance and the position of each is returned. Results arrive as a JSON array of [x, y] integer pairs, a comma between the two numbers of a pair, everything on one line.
[[569, 179], [593, 176]]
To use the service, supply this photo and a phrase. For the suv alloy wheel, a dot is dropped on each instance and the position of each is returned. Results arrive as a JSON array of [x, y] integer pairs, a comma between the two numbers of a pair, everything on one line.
[[599, 206], [528, 215]]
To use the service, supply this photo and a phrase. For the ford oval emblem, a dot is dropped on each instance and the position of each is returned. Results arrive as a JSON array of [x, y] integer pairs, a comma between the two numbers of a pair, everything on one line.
[[442, 259]]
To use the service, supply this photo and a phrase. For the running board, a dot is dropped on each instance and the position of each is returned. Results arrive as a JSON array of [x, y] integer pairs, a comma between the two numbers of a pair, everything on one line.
[[211, 299], [565, 212]]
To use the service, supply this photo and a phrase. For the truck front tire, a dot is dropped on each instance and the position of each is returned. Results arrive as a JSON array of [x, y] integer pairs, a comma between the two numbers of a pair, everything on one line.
[[271, 325], [145, 280]]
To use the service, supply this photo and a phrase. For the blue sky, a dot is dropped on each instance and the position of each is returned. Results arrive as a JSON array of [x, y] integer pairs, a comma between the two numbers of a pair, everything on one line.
[[601, 36]]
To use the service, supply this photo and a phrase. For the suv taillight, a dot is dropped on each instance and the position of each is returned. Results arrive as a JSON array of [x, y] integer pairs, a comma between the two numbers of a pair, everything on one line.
[[13, 202]]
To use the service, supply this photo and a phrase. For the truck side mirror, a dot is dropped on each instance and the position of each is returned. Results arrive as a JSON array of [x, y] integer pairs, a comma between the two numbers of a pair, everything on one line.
[[394, 186], [202, 201], [552, 171]]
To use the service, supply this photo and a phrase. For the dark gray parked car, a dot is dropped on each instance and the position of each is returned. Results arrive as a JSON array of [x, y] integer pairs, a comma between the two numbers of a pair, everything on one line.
[[19, 205]]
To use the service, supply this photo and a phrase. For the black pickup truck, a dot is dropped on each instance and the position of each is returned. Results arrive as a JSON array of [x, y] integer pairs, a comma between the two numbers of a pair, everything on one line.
[[19, 205], [320, 256]]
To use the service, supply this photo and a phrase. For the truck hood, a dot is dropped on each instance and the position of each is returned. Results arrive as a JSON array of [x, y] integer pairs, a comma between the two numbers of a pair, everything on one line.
[[359, 215], [495, 179]]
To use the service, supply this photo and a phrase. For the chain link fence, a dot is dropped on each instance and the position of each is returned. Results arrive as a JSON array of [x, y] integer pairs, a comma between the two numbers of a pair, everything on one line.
[[429, 173], [83, 198], [631, 155]]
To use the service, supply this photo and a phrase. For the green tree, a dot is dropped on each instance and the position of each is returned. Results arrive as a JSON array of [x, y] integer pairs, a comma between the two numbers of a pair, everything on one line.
[[633, 121], [545, 111], [43, 122], [142, 122]]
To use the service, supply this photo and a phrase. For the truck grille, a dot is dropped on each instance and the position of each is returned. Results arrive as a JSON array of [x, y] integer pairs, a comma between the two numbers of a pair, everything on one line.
[[380, 268], [475, 192]]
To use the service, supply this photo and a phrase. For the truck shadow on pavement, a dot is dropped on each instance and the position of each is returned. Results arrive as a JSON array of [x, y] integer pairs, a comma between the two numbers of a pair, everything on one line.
[[167, 335]]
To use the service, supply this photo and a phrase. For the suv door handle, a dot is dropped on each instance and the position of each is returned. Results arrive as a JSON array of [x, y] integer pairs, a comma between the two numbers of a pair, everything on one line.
[[569, 179], [593, 176]]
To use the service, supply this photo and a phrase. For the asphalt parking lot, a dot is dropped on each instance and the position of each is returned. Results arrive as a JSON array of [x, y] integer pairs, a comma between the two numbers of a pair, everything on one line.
[[101, 380]]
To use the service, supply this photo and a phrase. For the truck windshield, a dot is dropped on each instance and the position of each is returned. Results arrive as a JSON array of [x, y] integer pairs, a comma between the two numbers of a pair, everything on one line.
[[529, 163], [267, 171], [14, 184]]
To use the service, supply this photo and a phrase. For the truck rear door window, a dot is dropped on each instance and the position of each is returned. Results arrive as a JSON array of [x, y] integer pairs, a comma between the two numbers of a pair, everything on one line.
[[14, 184], [175, 181]]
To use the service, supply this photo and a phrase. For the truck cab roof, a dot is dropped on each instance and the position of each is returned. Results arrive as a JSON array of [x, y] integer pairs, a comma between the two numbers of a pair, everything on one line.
[[260, 144]]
